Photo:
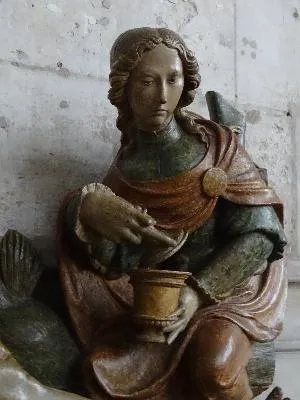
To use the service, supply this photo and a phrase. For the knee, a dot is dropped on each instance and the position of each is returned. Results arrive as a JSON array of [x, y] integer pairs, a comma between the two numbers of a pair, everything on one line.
[[217, 377], [218, 354]]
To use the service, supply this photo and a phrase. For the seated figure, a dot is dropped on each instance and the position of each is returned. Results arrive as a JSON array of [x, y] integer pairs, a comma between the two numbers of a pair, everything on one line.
[[182, 194]]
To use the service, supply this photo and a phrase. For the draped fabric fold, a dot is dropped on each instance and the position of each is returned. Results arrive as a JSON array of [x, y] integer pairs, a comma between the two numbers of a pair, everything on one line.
[[181, 202], [99, 308]]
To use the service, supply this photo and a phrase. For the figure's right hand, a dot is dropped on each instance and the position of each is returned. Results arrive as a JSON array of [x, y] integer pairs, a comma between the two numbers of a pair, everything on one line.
[[118, 220]]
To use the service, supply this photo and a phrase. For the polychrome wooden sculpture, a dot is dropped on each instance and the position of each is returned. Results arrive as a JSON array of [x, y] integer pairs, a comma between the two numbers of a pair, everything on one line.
[[183, 197]]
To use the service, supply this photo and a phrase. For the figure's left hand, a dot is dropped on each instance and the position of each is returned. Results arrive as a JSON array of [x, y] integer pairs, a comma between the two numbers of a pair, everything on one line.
[[189, 303]]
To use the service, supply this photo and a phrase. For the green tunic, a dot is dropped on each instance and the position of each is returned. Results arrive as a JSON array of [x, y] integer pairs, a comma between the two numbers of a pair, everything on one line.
[[230, 247]]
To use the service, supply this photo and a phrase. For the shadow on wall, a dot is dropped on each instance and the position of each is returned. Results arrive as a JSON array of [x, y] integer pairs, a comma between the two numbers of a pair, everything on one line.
[[44, 180]]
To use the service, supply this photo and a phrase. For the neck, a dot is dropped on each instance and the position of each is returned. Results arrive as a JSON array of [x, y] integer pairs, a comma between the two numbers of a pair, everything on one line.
[[169, 134]]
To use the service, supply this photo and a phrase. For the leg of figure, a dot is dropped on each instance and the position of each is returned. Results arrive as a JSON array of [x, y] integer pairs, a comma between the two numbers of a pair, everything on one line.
[[165, 391], [216, 361]]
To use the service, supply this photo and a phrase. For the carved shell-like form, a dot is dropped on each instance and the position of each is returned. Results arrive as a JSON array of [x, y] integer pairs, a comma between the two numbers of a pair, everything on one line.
[[20, 268]]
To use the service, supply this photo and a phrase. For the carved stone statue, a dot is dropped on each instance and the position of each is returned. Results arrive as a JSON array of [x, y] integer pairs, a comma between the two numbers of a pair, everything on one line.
[[182, 196]]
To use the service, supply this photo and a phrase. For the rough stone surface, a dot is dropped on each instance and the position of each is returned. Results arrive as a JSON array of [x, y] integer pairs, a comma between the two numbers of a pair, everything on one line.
[[57, 126], [270, 144]]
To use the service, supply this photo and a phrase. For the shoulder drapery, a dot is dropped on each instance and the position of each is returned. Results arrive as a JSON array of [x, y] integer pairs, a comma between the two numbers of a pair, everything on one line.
[[184, 201]]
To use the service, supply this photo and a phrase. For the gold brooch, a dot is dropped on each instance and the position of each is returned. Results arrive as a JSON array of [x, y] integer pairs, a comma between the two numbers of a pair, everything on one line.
[[214, 182]]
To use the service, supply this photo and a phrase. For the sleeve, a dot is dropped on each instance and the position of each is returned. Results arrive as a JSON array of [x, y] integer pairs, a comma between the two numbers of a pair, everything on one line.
[[237, 220], [249, 236]]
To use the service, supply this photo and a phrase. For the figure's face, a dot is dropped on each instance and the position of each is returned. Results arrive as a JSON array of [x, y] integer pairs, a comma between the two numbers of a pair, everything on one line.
[[155, 87]]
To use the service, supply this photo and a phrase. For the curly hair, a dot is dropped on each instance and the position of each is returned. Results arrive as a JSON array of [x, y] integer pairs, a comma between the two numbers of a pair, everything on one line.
[[125, 55]]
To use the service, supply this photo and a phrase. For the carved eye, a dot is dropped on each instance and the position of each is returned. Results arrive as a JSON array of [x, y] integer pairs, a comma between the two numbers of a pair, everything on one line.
[[147, 82], [172, 80]]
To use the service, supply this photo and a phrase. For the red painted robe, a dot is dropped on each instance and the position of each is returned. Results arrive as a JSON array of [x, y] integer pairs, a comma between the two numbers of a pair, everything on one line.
[[99, 309]]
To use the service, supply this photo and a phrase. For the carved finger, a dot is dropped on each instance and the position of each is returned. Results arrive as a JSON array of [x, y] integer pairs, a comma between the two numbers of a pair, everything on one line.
[[178, 312], [136, 228], [134, 225], [144, 218], [174, 334], [174, 326], [131, 236], [155, 234]]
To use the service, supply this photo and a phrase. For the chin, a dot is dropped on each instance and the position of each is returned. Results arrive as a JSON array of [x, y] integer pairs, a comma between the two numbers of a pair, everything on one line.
[[158, 123]]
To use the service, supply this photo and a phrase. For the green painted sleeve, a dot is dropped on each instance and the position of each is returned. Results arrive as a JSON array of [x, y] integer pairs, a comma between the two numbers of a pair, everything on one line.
[[248, 237]]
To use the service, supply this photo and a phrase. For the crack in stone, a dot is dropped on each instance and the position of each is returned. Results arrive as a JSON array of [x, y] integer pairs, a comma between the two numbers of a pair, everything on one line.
[[62, 72], [193, 5], [191, 15]]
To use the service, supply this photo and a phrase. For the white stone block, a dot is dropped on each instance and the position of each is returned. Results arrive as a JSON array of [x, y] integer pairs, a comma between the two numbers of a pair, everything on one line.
[[270, 144], [267, 52], [289, 340], [56, 135]]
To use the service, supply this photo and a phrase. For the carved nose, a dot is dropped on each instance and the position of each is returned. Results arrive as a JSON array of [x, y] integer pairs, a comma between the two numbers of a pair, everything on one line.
[[163, 95]]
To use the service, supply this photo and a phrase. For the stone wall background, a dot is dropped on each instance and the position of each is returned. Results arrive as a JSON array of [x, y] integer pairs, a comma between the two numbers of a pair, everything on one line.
[[57, 127]]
